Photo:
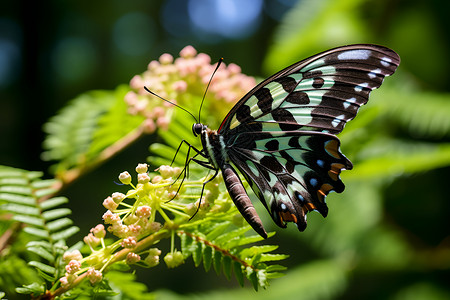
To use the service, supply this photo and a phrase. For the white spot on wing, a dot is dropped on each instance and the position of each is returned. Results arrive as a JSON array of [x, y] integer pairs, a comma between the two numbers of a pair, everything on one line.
[[385, 61], [374, 73], [337, 120], [349, 102], [360, 86], [355, 54]]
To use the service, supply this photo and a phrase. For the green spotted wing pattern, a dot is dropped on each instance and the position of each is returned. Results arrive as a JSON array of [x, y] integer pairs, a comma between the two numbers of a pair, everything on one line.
[[281, 136]]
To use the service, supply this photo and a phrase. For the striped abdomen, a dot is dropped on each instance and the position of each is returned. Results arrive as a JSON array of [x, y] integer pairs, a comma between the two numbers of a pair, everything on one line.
[[241, 199]]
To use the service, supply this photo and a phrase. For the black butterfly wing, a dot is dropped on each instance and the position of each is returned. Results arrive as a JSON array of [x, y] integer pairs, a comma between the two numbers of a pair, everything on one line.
[[281, 134], [320, 93], [291, 172]]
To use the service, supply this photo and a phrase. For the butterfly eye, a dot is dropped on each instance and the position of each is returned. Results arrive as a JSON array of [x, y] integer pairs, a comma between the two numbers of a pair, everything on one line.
[[197, 129]]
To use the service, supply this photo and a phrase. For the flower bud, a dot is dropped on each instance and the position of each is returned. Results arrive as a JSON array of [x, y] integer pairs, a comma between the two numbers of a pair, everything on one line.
[[91, 240], [72, 255], [129, 242], [125, 177], [109, 203], [94, 276], [143, 211], [152, 258], [188, 52], [132, 258], [166, 59], [73, 266], [118, 197], [143, 178], [111, 218], [142, 168], [64, 281], [174, 259], [99, 231]]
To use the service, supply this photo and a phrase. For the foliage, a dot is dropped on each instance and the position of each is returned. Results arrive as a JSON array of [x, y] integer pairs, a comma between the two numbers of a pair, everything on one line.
[[92, 128], [26, 197], [386, 237]]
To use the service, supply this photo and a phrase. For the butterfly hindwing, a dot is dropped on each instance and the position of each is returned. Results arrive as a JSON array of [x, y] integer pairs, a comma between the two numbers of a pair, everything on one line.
[[291, 172]]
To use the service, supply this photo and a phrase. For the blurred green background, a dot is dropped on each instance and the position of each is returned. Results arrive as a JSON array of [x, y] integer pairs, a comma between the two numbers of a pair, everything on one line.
[[386, 237]]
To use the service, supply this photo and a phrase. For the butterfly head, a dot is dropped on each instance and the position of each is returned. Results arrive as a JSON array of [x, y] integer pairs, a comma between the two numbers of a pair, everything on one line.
[[197, 128]]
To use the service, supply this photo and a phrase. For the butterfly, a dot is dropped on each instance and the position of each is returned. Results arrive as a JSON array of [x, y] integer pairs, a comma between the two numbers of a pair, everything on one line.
[[281, 136]]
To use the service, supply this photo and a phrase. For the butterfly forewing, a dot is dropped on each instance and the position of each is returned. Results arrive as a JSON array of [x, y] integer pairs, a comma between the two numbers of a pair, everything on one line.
[[280, 135], [320, 93]]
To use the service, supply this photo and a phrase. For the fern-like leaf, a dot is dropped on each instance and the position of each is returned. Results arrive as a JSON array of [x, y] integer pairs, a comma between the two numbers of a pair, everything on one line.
[[229, 253], [22, 196], [70, 132]]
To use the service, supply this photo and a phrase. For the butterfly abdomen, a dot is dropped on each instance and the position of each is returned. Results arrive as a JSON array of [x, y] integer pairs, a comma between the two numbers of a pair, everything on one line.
[[241, 200]]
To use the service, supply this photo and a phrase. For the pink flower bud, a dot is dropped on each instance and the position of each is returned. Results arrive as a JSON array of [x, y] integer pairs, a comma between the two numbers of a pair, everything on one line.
[[94, 276], [70, 255], [129, 242], [166, 59], [153, 65], [99, 231], [73, 266], [143, 211], [118, 197], [149, 126], [136, 82], [162, 122], [91, 240], [111, 218], [109, 203], [234, 69], [131, 98], [64, 282], [134, 229], [188, 52], [132, 258], [179, 86]]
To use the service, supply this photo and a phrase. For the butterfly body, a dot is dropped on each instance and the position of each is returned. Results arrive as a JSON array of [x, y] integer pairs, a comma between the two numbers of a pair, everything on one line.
[[281, 136]]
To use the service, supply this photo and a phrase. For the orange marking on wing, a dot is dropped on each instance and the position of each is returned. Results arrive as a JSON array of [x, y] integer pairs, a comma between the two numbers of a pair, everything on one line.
[[288, 217], [336, 169], [309, 206], [332, 148], [326, 188]]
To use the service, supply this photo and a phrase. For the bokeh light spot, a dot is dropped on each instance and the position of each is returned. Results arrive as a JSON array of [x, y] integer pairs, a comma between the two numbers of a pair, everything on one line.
[[234, 19], [134, 33], [74, 59]]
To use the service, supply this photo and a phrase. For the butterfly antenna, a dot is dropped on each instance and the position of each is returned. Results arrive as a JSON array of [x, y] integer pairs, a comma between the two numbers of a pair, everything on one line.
[[176, 105], [209, 83]]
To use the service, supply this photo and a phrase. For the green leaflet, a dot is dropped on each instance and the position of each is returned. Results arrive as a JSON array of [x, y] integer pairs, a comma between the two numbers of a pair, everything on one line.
[[45, 220], [232, 252]]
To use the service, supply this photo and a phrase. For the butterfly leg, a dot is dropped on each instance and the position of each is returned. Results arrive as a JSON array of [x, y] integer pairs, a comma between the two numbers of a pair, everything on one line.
[[241, 200], [185, 170], [203, 187]]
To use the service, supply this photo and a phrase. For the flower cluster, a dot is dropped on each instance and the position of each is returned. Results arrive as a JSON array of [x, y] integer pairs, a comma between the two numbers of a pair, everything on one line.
[[138, 215], [183, 81]]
